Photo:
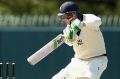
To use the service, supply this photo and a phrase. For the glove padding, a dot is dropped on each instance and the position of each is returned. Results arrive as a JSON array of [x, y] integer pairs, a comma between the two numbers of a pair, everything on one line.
[[75, 25], [71, 30], [71, 35]]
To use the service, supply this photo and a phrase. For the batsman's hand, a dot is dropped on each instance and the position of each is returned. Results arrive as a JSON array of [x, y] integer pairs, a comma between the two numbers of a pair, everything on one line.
[[76, 25], [71, 30], [69, 34]]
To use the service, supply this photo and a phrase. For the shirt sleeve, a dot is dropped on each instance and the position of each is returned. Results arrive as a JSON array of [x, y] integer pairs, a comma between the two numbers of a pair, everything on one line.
[[92, 21]]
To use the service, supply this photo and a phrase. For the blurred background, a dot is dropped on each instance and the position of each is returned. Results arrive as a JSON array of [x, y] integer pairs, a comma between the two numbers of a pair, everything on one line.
[[27, 25]]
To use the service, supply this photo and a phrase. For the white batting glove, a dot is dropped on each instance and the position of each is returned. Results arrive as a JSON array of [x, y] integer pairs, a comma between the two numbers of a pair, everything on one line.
[[69, 34], [76, 25]]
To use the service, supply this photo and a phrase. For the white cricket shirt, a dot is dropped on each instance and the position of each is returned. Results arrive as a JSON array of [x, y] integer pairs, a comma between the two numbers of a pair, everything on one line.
[[90, 42]]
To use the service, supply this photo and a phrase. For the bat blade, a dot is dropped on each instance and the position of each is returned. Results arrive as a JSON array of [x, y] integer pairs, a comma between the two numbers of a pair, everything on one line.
[[46, 50]]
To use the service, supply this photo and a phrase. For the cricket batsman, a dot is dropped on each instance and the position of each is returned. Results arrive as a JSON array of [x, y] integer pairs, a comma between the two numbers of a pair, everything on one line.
[[82, 32]]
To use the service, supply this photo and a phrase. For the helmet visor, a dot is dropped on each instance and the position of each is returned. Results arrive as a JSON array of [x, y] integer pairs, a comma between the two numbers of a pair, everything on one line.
[[61, 15]]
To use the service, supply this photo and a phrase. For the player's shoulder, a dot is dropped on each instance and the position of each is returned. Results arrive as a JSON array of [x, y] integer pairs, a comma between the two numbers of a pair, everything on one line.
[[92, 20], [91, 16]]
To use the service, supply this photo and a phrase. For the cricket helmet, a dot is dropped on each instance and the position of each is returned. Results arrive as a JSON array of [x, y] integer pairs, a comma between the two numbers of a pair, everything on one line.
[[68, 6]]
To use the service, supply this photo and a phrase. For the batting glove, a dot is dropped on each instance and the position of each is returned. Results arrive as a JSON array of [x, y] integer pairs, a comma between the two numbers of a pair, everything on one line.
[[76, 25], [69, 34]]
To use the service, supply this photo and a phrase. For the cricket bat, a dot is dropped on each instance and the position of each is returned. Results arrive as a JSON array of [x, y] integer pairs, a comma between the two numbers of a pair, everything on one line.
[[46, 50]]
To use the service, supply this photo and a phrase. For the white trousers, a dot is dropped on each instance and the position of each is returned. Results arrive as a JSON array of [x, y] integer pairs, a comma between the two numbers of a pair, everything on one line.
[[91, 68]]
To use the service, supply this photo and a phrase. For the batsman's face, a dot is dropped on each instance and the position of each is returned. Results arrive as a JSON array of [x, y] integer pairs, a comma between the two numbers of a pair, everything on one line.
[[68, 18]]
